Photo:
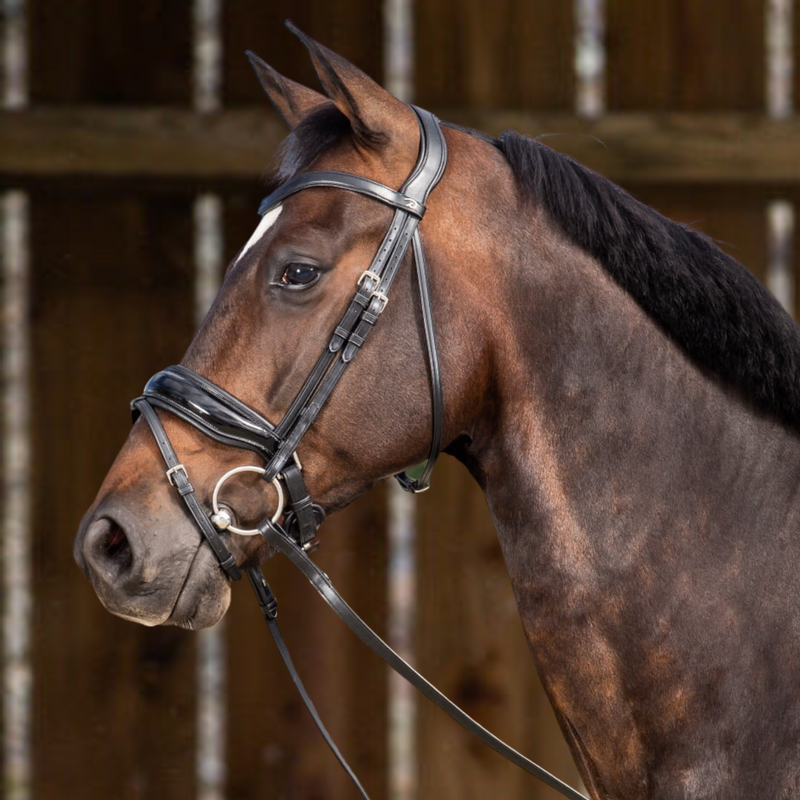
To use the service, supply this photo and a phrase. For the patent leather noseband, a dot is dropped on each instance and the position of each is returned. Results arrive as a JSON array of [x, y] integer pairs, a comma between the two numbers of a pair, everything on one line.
[[224, 418]]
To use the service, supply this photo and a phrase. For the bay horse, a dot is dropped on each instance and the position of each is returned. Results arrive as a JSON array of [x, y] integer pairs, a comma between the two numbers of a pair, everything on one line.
[[626, 395]]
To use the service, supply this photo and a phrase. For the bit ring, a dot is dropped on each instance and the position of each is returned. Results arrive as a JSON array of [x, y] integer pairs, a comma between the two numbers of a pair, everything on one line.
[[222, 519]]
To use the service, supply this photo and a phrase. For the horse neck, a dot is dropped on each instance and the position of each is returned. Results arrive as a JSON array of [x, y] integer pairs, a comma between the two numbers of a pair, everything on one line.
[[623, 480]]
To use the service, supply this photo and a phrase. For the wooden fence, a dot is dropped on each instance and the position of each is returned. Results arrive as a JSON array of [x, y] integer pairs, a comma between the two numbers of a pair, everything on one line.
[[112, 155]]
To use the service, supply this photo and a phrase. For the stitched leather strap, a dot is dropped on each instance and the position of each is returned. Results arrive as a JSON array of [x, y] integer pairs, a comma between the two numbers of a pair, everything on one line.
[[332, 179], [320, 581], [180, 480], [304, 510], [423, 482]]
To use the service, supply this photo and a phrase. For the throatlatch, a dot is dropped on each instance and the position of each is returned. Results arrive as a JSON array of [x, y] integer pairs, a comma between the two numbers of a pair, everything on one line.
[[293, 528]]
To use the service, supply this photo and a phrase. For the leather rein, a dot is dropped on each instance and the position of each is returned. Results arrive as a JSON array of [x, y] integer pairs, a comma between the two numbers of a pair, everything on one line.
[[292, 530]]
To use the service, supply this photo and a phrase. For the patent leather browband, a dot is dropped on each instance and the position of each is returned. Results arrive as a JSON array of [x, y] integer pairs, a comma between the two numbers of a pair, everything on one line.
[[226, 419]]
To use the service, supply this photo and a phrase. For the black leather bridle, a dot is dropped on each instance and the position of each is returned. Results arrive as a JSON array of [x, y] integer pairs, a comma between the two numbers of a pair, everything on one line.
[[224, 418]]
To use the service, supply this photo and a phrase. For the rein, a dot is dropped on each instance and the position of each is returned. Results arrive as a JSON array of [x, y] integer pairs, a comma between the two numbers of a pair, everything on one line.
[[224, 418]]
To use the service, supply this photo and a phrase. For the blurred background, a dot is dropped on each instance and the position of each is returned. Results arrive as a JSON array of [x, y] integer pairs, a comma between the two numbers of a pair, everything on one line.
[[132, 141]]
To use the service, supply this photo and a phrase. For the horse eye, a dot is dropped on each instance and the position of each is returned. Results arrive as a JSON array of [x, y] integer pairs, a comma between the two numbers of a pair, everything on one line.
[[299, 275]]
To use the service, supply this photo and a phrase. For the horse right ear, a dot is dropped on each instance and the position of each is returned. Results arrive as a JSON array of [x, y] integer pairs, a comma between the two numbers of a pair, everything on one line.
[[292, 101]]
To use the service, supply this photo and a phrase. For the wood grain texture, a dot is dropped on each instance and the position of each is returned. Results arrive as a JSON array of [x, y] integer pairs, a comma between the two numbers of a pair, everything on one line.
[[668, 56], [273, 746], [166, 146], [110, 52], [113, 701], [352, 28], [471, 645], [511, 54], [688, 55], [111, 303]]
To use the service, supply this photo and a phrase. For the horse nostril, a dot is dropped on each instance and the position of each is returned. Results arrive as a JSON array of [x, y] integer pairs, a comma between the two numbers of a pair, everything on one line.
[[117, 546], [107, 550]]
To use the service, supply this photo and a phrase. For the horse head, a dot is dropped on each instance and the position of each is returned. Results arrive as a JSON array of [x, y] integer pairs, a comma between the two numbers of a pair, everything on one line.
[[278, 307]]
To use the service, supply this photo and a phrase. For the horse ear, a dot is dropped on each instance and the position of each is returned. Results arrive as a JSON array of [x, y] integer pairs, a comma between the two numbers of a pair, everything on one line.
[[375, 115], [291, 100]]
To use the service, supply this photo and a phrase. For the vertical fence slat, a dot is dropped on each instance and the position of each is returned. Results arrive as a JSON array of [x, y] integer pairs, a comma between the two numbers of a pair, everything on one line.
[[694, 56], [111, 302], [510, 54], [271, 739], [706, 55]]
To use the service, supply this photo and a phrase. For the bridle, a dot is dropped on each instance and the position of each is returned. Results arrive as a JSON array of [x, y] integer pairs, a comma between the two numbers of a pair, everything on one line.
[[292, 529]]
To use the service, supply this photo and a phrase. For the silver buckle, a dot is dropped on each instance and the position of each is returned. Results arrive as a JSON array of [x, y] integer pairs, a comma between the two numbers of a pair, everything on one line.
[[177, 468], [383, 298], [367, 274]]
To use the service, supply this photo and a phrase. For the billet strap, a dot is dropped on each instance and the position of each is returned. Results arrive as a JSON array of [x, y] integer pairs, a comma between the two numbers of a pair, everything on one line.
[[322, 583], [269, 608], [180, 480]]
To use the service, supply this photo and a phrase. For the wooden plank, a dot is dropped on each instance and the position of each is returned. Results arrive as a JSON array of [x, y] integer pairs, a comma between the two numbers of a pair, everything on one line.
[[172, 146], [692, 55], [111, 302], [114, 53], [697, 56], [512, 54], [271, 741], [352, 28], [471, 645]]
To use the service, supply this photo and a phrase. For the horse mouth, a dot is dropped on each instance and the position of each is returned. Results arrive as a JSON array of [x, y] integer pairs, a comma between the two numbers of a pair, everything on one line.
[[204, 596]]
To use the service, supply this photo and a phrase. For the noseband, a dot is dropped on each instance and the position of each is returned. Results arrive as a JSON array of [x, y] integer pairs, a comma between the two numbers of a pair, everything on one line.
[[292, 529]]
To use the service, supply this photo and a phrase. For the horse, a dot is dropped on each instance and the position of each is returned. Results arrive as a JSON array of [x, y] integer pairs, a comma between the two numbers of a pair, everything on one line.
[[626, 395]]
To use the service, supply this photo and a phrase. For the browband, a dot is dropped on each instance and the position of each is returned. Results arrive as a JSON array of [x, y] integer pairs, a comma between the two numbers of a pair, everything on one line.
[[332, 179]]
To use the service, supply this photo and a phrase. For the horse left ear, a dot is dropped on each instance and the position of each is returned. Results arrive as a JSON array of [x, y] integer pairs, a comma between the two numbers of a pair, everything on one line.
[[291, 100], [375, 115]]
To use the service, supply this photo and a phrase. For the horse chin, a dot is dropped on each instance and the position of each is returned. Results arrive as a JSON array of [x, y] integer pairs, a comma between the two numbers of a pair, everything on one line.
[[204, 597]]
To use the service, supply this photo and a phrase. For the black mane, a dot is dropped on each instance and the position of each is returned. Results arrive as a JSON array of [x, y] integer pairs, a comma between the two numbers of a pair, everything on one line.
[[711, 305]]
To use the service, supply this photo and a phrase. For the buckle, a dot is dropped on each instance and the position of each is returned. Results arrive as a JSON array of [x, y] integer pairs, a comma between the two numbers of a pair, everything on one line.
[[383, 298], [177, 468], [368, 274]]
